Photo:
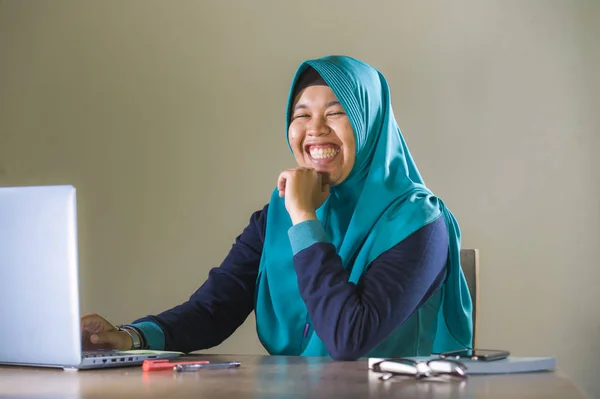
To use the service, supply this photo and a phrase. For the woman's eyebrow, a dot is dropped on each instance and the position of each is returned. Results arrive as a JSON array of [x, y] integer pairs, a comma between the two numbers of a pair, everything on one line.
[[299, 106]]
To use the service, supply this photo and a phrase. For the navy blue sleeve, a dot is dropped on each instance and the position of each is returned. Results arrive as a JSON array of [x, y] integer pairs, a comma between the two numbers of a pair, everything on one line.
[[351, 319], [223, 302]]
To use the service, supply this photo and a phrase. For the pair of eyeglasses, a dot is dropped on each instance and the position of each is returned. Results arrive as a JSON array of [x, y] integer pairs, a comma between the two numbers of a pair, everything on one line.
[[420, 369]]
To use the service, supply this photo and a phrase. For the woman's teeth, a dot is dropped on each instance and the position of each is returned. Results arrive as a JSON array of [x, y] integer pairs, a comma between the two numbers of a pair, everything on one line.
[[323, 153]]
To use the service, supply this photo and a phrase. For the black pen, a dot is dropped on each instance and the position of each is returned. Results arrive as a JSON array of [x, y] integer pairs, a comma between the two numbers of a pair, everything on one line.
[[194, 367]]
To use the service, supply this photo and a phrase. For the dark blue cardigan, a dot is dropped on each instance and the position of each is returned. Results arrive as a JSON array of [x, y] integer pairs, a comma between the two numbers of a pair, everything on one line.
[[224, 301]]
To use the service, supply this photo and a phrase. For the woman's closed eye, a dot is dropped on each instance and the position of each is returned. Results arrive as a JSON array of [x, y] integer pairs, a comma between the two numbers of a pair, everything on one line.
[[300, 116], [329, 114]]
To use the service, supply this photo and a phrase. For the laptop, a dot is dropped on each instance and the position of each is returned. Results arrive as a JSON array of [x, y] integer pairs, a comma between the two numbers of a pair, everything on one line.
[[39, 288]]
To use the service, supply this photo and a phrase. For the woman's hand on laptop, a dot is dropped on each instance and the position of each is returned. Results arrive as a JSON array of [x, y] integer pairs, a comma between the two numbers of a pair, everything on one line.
[[97, 333]]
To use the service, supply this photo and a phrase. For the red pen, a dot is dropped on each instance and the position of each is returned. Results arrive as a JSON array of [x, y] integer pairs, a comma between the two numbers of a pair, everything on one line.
[[166, 364]]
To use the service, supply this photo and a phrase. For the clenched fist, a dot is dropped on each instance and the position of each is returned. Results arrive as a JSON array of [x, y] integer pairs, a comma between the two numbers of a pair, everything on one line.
[[304, 190]]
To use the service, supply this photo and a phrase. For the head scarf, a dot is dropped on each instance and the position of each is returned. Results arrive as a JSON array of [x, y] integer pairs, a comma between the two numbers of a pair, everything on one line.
[[383, 201], [308, 78]]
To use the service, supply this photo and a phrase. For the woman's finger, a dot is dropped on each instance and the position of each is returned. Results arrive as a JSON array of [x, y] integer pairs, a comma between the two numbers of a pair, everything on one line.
[[281, 181]]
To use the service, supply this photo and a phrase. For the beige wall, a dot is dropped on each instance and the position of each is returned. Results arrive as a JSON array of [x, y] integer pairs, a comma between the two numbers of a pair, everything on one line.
[[169, 118]]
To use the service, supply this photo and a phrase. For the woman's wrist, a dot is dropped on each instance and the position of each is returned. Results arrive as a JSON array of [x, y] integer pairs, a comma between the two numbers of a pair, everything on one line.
[[135, 336], [302, 216]]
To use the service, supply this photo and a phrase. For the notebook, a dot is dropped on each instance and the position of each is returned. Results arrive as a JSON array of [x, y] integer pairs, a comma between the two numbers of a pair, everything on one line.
[[39, 287]]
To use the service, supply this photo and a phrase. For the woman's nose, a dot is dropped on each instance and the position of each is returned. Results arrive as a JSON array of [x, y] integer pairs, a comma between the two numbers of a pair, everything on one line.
[[317, 127]]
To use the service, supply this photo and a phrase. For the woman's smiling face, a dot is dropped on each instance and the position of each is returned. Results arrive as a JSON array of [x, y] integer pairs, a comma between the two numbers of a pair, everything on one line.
[[321, 135]]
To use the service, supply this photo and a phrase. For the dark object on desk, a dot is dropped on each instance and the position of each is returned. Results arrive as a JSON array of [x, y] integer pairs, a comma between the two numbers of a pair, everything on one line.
[[486, 355]]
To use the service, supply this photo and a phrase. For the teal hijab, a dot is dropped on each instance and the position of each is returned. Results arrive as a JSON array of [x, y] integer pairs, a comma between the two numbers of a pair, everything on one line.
[[383, 201]]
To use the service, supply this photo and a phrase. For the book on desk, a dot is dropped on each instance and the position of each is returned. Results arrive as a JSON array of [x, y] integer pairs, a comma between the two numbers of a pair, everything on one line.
[[509, 365]]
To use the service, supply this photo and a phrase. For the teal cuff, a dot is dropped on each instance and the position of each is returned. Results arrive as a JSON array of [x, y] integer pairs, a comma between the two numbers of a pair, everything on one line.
[[154, 335], [305, 234]]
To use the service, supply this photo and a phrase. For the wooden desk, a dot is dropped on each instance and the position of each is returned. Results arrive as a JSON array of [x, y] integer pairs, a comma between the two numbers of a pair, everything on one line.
[[270, 377]]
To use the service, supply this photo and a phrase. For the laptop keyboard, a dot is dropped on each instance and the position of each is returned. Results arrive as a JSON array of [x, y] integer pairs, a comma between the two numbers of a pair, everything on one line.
[[99, 353]]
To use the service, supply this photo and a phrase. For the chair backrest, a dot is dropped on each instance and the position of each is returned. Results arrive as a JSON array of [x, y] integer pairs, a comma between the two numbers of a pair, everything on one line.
[[469, 260]]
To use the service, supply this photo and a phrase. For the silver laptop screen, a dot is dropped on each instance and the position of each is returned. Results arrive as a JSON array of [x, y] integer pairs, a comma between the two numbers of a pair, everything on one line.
[[39, 301]]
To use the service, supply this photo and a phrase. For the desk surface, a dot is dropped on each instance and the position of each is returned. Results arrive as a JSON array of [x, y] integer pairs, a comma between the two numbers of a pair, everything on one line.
[[270, 377]]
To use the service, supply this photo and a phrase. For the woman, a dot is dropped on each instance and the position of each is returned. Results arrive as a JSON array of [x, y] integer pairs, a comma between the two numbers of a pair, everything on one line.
[[352, 257]]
